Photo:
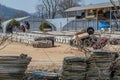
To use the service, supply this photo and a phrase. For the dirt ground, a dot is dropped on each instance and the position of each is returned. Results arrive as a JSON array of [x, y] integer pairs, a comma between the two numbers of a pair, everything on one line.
[[41, 57], [47, 59]]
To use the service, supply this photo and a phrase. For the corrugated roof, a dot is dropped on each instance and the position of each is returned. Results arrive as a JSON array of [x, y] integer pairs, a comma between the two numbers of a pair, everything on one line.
[[93, 6]]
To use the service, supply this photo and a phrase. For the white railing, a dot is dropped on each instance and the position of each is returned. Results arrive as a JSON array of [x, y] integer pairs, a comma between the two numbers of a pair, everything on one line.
[[28, 38]]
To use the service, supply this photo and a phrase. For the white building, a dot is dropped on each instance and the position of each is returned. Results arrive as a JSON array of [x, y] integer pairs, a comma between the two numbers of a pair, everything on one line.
[[4, 24], [57, 24]]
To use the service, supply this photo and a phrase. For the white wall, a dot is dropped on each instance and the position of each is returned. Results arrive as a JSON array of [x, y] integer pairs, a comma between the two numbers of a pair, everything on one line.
[[59, 23]]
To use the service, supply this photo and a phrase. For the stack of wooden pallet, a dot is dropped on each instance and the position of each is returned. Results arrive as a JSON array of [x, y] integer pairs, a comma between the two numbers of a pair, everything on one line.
[[99, 67], [74, 68]]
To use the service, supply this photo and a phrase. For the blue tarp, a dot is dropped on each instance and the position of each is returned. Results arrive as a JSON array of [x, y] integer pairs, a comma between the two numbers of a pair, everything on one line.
[[103, 24]]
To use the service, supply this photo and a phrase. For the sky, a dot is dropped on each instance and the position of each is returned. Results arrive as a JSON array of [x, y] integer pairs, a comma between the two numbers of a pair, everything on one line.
[[29, 5], [96, 1], [26, 5]]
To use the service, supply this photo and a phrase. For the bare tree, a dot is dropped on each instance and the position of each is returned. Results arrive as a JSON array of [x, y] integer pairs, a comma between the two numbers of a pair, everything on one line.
[[39, 9], [65, 4], [114, 4], [0, 21], [5, 40], [116, 10], [51, 7]]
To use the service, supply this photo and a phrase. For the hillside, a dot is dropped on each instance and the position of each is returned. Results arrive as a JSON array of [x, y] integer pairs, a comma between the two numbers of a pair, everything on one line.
[[8, 13]]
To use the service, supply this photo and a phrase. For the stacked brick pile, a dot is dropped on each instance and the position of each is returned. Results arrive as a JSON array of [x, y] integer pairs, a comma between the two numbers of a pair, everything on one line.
[[74, 68], [100, 62], [13, 67], [52, 39], [42, 44], [99, 66], [116, 70], [43, 76]]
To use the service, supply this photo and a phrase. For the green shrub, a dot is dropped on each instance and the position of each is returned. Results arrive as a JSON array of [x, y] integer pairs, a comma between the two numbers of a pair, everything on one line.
[[44, 25], [13, 23]]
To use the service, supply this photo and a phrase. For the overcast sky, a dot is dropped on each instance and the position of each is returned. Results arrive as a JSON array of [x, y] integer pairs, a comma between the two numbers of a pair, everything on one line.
[[29, 5]]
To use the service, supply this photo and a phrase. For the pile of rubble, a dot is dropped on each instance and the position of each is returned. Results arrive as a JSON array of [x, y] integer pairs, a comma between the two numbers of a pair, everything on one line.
[[115, 41], [84, 39]]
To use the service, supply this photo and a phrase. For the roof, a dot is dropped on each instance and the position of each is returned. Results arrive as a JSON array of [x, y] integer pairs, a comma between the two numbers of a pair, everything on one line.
[[93, 6]]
